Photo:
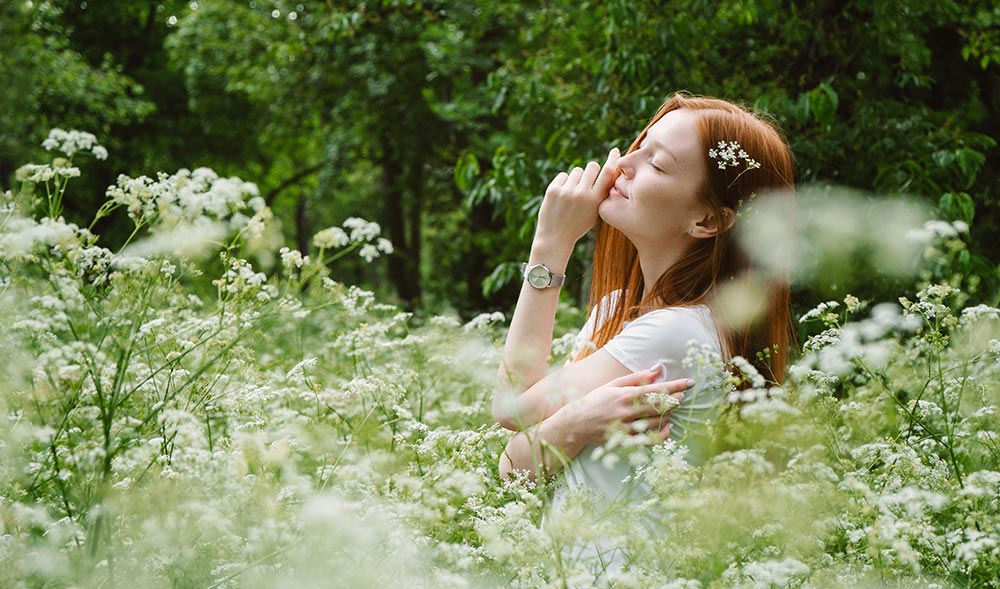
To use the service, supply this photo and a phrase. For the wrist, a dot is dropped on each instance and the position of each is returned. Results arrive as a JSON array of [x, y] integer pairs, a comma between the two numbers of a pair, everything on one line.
[[555, 256], [561, 429]]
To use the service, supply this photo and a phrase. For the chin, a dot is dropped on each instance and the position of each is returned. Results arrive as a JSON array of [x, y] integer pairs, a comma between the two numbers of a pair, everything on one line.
[[620, 220], [609, 216], [606, 211]]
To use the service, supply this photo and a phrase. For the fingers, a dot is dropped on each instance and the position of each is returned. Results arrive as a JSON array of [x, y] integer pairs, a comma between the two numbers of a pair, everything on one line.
[[590, 174], [608, 172], [558, 181], [593, 175], [667, 387], [641, 377]]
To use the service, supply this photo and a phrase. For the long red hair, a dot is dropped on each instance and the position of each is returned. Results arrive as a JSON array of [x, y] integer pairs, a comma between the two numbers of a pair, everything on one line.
[[712, 262]]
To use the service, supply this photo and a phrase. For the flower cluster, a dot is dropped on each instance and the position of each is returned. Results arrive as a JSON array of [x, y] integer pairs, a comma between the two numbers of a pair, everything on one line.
[[731, 155], [71, 142], [185, 197], [356, 233]]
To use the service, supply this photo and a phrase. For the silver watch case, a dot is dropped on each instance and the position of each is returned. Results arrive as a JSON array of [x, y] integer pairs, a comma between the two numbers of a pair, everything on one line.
[[540, 277]]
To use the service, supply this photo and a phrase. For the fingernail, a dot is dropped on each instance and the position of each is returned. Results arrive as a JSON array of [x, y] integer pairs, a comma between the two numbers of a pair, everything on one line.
[[615, 151], [656, 368], [680, 397], [689, 383]]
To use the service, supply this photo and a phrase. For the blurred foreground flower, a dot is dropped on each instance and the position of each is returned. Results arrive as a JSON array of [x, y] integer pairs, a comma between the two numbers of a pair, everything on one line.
[[834, 239]]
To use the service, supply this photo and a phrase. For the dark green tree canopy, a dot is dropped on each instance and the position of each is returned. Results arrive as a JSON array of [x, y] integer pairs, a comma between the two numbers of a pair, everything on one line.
[[443, 120]]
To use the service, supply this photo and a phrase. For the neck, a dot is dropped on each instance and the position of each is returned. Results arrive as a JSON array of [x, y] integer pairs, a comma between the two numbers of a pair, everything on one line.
[[655, 260]]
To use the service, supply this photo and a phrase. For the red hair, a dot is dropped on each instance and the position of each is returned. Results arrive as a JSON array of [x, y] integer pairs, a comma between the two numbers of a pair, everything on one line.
[[710, 262]]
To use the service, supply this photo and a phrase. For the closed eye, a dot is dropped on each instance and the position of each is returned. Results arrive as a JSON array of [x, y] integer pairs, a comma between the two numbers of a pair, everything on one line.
[[656, 167]]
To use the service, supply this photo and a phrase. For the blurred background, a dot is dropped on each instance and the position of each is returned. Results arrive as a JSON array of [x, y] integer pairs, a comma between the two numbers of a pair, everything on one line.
[[444, 120]]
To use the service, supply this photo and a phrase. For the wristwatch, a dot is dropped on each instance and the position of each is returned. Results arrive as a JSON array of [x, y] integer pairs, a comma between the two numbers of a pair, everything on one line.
[[540, 277]]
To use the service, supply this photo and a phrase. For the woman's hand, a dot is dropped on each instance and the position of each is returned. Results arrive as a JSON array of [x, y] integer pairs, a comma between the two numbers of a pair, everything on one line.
[[569, 209], [629, 401]]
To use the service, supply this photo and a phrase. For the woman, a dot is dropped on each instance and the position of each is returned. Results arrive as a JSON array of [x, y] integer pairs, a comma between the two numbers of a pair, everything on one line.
[[665, 214]]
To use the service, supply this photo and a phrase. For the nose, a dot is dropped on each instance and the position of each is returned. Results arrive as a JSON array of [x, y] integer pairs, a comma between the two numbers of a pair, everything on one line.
[[626, 166]]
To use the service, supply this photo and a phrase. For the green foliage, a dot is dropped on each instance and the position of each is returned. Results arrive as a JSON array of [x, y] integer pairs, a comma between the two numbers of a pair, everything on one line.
[[47, 83], [444, 120]]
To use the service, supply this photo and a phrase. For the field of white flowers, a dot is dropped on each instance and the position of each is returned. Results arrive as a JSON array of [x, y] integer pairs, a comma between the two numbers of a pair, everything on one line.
[[281, 429]]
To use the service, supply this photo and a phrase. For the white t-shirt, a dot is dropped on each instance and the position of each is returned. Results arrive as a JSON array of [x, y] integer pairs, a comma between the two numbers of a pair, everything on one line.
[[664, 336]]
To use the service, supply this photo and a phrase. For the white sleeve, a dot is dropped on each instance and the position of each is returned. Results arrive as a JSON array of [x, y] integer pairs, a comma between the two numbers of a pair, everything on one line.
[[584, 337], [662, 337], [598, 315]]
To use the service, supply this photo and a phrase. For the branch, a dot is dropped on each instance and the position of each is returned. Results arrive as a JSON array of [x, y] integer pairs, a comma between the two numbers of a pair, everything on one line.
[[295, 179]]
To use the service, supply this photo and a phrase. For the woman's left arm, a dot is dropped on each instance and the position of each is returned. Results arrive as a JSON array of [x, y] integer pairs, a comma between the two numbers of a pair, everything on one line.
[[543, 449]]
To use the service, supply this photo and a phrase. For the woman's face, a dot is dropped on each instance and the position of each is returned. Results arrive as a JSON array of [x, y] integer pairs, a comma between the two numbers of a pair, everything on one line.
[[655, 199]]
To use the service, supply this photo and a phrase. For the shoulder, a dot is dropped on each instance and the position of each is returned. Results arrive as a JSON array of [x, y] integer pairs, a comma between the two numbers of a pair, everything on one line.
[[599, 313], [697, 318], [671, 328]]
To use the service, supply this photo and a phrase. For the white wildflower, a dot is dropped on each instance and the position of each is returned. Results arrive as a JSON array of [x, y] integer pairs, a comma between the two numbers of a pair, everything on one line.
[[185, 240], [822, 312], [748, 371], [937, 229], [483, 320], [854, 304], [362, 230], [369, 252], [70, 142], [331, 237], [292, 259], [731, 155], [765, 574], [298, 372], [34, 173], [971, 314]]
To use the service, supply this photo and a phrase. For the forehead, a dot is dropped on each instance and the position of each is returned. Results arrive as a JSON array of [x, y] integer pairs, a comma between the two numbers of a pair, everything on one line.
[[677, 130]]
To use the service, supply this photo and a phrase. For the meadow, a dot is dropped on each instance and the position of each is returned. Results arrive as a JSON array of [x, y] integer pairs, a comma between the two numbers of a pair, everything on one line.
[[202, 406]]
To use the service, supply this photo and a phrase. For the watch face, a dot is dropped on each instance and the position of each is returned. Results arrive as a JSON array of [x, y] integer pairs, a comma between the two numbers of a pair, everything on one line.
[[538, 276]]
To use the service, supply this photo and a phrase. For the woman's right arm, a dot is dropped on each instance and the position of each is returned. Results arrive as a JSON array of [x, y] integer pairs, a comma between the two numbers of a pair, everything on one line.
[[568, 212], [545, 448]]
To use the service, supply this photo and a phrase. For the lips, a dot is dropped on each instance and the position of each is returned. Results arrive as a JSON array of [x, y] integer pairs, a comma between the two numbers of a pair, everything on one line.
[[615, 191]]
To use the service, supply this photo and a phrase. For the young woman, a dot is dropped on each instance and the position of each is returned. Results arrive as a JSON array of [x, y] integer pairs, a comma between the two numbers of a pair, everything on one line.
[[665, 213]]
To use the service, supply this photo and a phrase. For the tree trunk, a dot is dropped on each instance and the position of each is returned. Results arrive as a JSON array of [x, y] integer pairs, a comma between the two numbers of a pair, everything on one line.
[[403, 263], [301, 224]]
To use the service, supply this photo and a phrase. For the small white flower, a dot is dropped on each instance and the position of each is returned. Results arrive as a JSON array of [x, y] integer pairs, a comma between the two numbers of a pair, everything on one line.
[[482, 320], [732, 155], [369, 252], [292, 258], [70, 142], [362, 230], [331, 237]]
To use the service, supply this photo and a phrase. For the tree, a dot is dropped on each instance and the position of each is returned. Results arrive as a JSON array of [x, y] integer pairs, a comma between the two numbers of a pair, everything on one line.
[[386, 95]]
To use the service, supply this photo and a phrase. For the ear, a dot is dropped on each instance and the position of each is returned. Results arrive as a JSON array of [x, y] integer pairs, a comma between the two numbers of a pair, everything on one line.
[[713, 224]]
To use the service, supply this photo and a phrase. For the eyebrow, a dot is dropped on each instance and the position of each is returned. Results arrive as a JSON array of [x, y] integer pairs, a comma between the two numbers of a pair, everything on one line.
[[661, 146]]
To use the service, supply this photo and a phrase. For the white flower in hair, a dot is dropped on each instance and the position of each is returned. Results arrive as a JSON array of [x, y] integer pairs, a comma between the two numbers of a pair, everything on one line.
[[732, 155]]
